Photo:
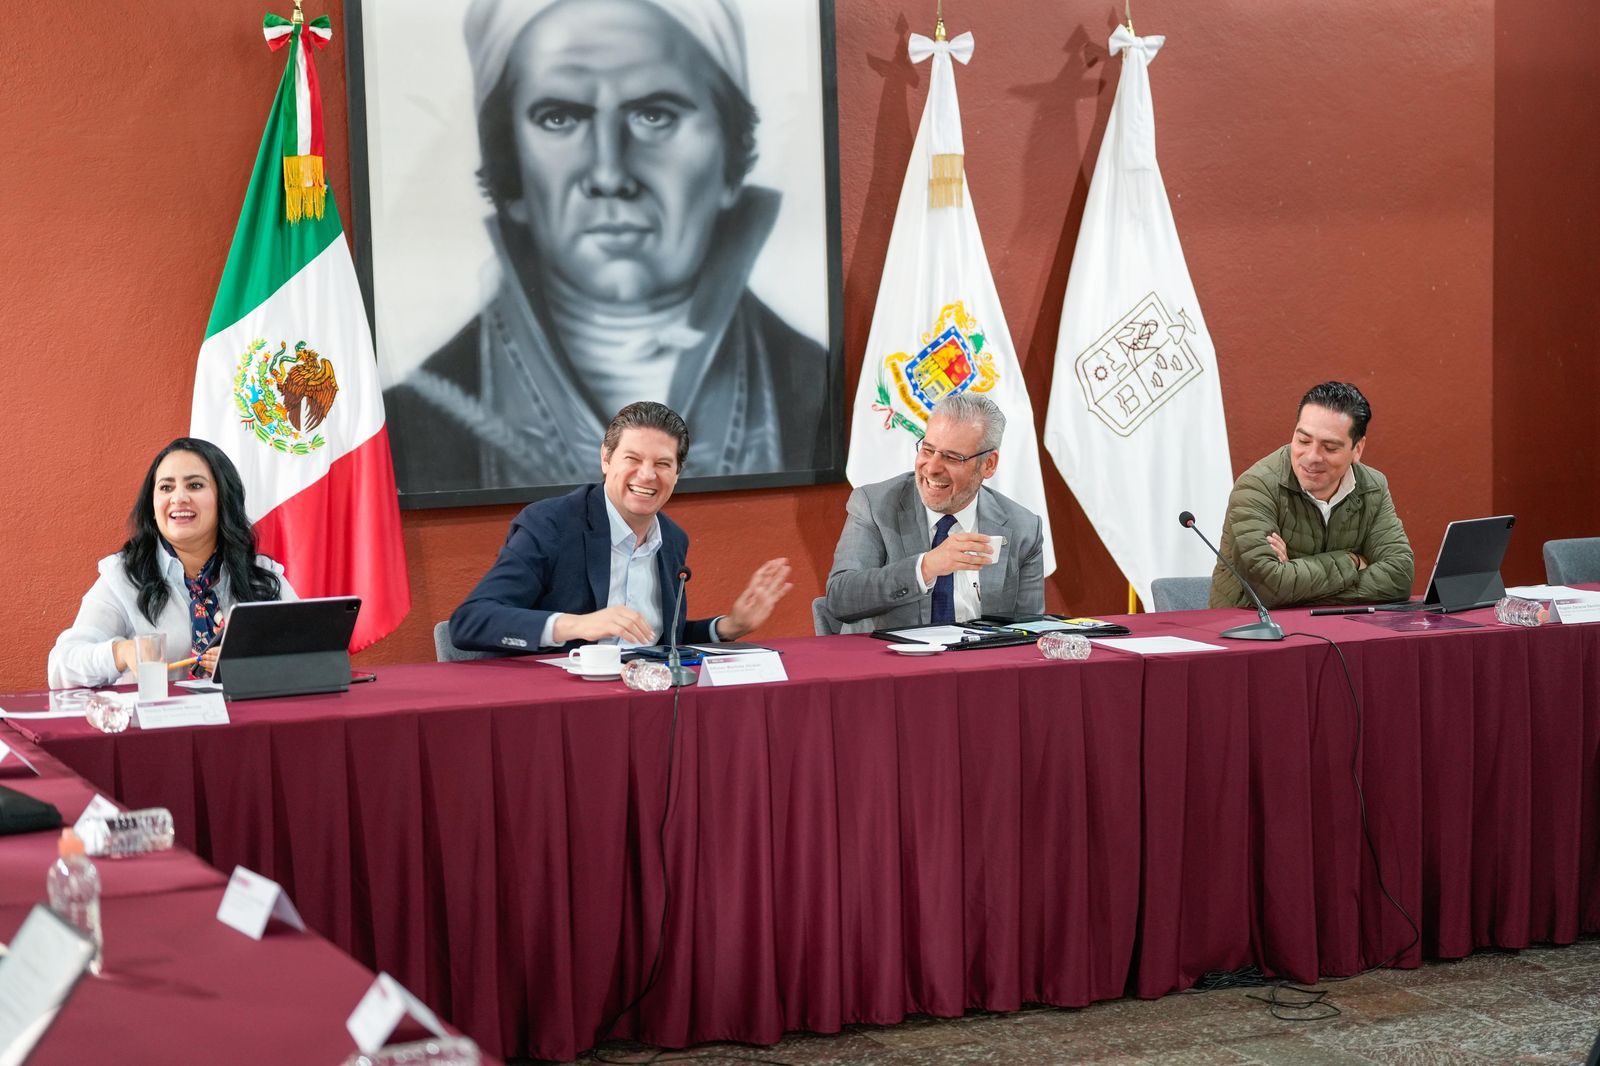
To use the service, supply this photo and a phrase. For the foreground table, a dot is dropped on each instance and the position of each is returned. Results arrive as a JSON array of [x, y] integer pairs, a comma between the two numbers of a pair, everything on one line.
[[881, 836], [178, 985]]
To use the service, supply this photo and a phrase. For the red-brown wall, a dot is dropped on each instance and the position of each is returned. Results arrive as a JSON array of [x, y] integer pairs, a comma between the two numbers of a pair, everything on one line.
[[1338, 169], [1547, 274]]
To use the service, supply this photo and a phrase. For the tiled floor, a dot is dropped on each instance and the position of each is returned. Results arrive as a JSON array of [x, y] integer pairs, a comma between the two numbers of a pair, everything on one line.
[[1535, 1006]]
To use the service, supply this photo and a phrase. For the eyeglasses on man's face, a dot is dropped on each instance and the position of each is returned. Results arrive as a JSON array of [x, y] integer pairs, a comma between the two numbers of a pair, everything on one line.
[[928, 451]]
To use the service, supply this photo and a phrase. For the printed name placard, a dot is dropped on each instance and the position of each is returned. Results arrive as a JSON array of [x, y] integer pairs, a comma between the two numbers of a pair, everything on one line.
[[91, 824], [15, 758], [1569, 611], [382, 1009], [251, 901], [45, 960], [207, 708], [749, 668]]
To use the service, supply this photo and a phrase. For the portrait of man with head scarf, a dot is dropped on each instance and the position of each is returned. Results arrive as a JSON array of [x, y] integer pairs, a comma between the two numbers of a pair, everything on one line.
[[616, 140]]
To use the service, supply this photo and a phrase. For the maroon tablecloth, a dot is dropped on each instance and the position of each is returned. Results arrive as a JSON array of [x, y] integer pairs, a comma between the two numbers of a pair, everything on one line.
[[178, 985], [882, 835]]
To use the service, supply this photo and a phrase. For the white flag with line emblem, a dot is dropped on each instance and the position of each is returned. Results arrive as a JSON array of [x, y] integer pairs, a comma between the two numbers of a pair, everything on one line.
[[937, 328], [1135, 420]]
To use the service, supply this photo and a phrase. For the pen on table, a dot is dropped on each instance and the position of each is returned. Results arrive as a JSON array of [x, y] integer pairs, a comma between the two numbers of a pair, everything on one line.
[[1343, 610]]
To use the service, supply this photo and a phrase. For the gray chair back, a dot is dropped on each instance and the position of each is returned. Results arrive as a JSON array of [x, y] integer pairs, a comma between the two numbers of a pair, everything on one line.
[[1572, 562], [823, 620], [1180, 593], [447, 652]]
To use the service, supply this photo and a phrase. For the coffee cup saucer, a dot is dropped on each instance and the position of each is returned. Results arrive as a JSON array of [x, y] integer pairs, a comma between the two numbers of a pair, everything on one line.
[[602, 674]]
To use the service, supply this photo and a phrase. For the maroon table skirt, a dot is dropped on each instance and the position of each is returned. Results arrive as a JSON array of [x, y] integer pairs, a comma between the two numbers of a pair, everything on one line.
[[880, 836], [178, 985]]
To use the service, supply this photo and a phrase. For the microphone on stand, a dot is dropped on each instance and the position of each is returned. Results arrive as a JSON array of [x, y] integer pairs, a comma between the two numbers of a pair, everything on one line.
[[681, 674], [1266, 629]]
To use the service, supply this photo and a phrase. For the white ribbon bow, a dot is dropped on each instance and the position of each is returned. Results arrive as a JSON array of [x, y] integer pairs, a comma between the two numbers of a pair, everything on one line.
[[921, 47], [1121, 39]]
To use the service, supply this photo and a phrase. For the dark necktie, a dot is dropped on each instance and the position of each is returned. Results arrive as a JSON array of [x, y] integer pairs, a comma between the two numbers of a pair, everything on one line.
[[944, 588]]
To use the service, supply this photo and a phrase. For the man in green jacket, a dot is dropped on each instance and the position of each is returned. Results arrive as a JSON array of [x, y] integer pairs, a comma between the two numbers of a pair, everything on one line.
[[1309, 523]]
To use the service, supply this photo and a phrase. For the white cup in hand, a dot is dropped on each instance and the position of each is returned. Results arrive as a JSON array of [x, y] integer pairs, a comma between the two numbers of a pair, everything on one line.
[[596, 659], [995, 545]]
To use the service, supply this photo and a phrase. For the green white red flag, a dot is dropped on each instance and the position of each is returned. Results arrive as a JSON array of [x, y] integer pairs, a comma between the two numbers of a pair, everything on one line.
[[287, 381]]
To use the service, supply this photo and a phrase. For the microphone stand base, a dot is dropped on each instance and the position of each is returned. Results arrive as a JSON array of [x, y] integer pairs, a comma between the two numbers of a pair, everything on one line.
[[1265, 630], [682, 675]]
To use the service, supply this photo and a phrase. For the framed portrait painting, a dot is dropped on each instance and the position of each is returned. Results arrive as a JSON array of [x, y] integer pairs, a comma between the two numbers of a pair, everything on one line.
[[565, 206]]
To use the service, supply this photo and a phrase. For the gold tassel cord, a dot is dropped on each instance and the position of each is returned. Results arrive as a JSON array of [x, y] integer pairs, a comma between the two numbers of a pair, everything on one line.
[[305, 192], [945, 181]]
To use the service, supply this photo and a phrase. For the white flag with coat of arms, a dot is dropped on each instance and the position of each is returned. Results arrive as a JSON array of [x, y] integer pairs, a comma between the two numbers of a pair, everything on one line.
[[937, 328], [1135, 421]]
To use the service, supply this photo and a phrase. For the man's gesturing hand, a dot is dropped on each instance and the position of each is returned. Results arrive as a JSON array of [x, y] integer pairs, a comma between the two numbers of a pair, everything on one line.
[[754, 606]]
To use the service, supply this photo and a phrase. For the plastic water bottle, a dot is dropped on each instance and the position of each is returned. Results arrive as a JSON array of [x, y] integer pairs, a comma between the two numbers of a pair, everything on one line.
[[1516, 611], [73, 885], [137, 832]]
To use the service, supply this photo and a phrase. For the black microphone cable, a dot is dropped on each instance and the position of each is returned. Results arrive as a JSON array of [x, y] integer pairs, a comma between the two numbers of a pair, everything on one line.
[[661, 849], [1315, 1000], [1311, 1004], [1361, 803]]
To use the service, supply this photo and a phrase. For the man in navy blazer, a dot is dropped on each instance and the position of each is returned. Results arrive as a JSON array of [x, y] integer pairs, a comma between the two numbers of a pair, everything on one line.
[[600, 564]]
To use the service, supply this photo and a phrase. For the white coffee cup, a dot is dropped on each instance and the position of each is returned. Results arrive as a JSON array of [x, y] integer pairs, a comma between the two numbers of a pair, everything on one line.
[[995, 545], [596, 659], [150, 665]]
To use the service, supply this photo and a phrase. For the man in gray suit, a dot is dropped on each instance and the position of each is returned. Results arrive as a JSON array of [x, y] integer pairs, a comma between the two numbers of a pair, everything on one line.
[[915, 549]]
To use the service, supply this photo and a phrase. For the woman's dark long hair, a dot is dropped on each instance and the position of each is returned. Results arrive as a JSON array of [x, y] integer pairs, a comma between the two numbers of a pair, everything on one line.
[[236, 539]]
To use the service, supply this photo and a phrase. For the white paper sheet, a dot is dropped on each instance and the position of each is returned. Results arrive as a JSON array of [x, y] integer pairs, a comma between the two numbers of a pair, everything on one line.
[[1554, 592], [1155, 645]]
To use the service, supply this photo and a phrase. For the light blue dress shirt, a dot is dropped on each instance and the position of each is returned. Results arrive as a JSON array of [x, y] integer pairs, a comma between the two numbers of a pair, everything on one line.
[[634, 580]]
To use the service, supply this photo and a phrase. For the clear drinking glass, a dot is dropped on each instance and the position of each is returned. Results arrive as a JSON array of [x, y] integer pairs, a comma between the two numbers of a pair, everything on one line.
[[150, 657]]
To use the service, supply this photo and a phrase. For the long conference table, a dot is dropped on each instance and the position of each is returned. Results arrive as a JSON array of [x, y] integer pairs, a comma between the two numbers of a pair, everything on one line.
[[882, 835]]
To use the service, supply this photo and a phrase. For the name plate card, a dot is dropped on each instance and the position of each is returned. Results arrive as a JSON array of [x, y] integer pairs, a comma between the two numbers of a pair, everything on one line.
[[200, 709], [251, 901], [9, 758], [1569, 611], [91, 824], [46, 958], [382, 1009], [748, 668]]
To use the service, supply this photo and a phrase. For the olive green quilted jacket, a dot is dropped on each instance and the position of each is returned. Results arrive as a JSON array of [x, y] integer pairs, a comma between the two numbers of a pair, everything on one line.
[[1267, 498]]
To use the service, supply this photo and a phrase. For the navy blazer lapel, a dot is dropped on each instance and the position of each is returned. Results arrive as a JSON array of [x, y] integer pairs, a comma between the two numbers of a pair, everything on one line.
[[597, 547], [674, 545]]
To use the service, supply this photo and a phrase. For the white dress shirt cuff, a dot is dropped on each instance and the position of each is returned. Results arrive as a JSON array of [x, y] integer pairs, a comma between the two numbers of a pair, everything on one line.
[[547, 636], [927, 586]]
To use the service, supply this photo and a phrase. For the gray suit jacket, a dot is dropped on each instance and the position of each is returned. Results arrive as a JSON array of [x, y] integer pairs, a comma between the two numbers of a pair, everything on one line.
[[873, 583]]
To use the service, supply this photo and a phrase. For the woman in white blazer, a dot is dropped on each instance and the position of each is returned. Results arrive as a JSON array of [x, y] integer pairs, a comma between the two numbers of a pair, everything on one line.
[[190, 556]]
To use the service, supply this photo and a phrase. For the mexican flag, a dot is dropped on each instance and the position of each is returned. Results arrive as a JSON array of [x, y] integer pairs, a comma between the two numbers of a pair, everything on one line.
[[937, 328], [287, 381]]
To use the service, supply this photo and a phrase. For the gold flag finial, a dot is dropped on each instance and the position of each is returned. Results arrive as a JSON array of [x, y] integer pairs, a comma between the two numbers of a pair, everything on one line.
[[299, 16], [938, 22], [1127, 11]]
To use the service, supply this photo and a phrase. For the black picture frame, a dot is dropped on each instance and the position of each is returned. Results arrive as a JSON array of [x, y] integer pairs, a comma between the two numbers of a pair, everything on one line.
[[828, 460]]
